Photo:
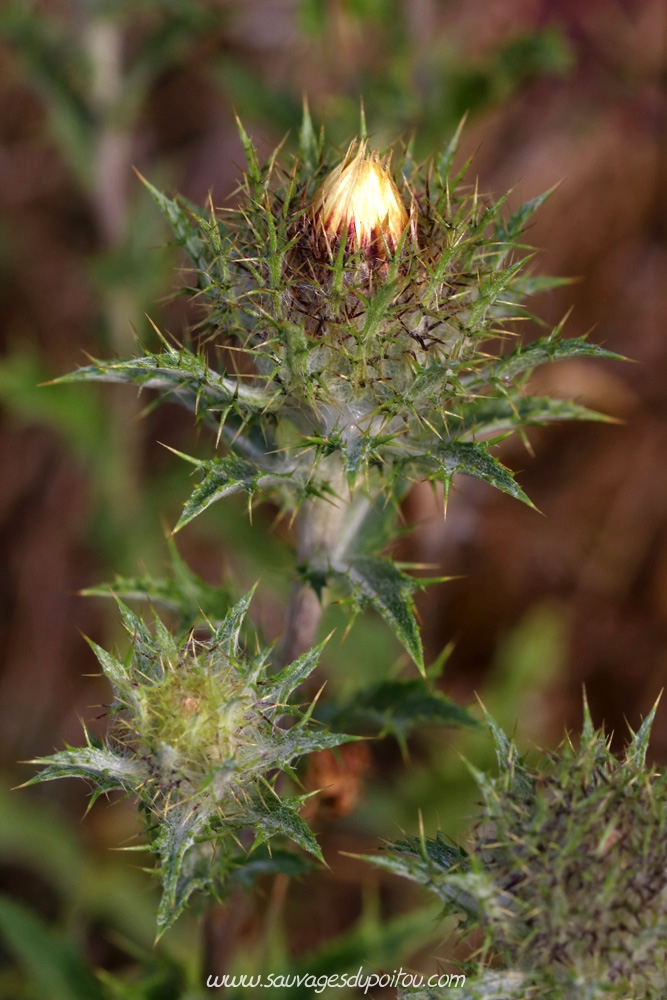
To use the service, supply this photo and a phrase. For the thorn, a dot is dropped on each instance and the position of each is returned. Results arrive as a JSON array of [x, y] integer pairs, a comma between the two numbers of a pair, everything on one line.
[[363, 133]]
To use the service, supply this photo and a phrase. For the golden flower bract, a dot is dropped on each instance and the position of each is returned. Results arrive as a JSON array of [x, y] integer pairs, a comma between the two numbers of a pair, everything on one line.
[[360, 201]]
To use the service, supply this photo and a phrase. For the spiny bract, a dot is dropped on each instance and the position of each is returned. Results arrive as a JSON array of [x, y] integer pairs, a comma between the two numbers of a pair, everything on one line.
[[200, 735], [566, 875]]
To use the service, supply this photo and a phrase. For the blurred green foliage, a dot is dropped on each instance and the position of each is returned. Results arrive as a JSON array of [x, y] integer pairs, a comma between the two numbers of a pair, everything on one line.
[[427, 89], [88, 898]]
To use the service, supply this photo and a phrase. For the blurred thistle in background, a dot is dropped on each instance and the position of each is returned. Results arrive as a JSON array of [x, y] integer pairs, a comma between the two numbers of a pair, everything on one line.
[[555, 91]]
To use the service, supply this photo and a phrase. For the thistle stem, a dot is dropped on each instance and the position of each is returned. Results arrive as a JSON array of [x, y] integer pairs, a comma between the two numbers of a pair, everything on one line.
[[302, 620], [323, 529]]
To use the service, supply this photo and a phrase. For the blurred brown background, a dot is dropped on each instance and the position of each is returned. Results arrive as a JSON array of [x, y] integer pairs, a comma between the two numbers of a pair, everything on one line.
[[558, 92]]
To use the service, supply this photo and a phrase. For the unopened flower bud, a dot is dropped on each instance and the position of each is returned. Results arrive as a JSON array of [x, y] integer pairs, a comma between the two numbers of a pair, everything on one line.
[[360, 203]]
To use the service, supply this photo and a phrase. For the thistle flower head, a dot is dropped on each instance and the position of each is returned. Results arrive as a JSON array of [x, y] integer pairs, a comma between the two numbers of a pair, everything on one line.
[[199, 737], [566, 874], [359, 202], [372, 320]]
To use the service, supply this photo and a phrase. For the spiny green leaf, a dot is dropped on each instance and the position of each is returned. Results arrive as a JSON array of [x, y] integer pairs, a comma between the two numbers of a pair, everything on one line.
[[511, 766], [500, 415], [296, 357], [490, 290], [360, 451], [148, 654], [254, 171], [308, 148], [188, 234], [508, 231], [281, 685], [430, 383], [273, 816], [226, 637], [185, 866], [505, 749], [532, 284], [297, 741], [471, 459], [548, 349], [380, 583], [114, 669], [430, 872], [181, 376], [446, 158], [226, 476], [486, 216], [166, 642], [182, 592], [376, 308], [440, 851], [636, 750], [245, 869], [588, 734], [96, 763], [398, 706]]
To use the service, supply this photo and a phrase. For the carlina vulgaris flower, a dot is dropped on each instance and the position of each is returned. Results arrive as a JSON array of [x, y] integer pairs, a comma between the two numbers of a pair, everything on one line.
[[359, 202]]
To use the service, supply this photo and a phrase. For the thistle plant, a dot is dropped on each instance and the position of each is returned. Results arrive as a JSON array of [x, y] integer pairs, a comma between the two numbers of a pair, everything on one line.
[[369, 308], [566, 873], [372, 310]]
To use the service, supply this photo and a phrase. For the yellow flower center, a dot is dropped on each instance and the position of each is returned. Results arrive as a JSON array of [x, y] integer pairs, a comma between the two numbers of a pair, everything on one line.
[[360, 200]]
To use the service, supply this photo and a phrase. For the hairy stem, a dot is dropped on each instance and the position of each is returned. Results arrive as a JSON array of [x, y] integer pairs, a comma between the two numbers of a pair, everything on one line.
[[303, 618], [324, 529]]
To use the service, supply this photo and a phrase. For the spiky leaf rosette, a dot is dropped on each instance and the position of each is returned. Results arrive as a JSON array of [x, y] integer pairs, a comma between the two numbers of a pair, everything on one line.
[[566, 875], [200, 736], [373, 306]]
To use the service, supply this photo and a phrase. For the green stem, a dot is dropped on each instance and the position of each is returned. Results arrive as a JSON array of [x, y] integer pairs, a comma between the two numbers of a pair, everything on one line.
[[324, 529]]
